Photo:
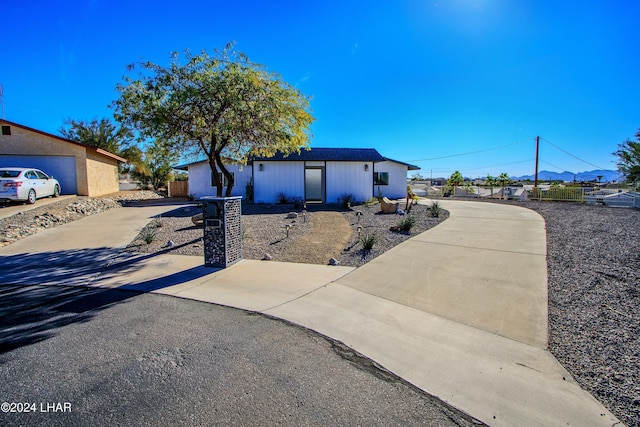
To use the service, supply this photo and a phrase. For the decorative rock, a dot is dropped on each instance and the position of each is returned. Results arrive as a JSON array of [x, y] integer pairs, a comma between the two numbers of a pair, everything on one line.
[[334, 261], [170, 243], [267, 257], [387, 206], [197, 219], [292, 215]]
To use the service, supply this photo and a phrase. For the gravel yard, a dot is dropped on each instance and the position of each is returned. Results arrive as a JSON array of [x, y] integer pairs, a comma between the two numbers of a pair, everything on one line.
[[265, 233], [593, 258]]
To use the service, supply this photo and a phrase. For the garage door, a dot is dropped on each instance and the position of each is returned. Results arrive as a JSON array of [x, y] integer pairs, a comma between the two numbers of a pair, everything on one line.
[[62, 168]]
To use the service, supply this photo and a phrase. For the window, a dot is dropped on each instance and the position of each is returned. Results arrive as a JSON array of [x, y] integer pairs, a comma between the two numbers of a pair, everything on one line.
[[381, 178], [41, 175], [6, 130], [225, 182], [9, 174]]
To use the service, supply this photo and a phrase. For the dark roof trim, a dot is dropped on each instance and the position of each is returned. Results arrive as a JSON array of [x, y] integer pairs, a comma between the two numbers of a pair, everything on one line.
[[97, 150], [185, 167], [409, 166], [329, 155]]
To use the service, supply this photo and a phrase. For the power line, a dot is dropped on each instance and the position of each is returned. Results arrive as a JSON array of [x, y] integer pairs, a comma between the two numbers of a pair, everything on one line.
[[553, 166], [484, 167], [575, 157], [470, 152]]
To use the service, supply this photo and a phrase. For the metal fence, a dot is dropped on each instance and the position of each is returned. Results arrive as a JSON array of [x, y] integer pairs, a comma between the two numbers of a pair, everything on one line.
[[559, 194], [625, 197]]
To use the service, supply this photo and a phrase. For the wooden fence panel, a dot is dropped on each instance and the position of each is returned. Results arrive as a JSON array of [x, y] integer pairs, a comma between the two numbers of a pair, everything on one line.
[[178, 189]]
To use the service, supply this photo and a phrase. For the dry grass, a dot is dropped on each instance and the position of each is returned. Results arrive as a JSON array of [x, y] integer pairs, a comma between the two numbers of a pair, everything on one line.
[[329, 234]]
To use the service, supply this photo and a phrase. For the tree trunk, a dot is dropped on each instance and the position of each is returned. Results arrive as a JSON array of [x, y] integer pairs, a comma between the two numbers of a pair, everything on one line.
[[227, 174], [216, 177]]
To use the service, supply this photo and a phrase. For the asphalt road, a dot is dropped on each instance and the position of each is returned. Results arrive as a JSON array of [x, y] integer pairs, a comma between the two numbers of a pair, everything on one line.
[[77, 356]]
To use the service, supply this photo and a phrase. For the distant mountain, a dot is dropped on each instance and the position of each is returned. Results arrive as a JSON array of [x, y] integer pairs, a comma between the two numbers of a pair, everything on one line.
[[607, 176]]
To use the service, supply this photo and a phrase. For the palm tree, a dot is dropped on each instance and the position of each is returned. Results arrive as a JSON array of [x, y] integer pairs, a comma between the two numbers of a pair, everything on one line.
[[455, 180], [503, 179], [490, 182], [104, 134]]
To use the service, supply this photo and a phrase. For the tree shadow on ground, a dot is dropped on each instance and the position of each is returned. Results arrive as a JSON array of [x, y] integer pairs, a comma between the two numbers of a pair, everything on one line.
[[42, 292], [31, 314]]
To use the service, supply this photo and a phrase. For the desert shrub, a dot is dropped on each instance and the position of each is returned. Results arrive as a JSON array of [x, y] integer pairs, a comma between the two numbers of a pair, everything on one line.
[[406, 223], [282, 198], [149, 233], [368, 240], [346, 200], [434, 210], [191, 197], [297, 203], [371, 201]]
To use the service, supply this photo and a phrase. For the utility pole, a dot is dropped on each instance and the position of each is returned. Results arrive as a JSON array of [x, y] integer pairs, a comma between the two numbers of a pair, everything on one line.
[[2, 101], [535, 177]]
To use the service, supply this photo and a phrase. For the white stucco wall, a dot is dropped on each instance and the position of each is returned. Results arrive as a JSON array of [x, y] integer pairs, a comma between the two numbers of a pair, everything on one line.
[[348, 178], [278, 177], [397, 188], [288, 177], [200, 180]]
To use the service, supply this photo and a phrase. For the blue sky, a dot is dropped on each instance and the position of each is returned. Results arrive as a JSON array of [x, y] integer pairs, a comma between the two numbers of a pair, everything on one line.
[[425, 82]]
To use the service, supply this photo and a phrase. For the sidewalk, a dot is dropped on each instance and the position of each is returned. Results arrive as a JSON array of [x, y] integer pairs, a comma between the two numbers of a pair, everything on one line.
[[459, 311]]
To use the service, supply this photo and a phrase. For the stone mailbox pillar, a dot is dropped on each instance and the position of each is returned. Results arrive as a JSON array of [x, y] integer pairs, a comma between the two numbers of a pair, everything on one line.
[[222, 224]]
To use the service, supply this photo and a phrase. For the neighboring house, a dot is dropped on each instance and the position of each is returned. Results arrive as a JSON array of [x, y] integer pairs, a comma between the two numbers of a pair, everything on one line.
[[322, 175], [80, 169]]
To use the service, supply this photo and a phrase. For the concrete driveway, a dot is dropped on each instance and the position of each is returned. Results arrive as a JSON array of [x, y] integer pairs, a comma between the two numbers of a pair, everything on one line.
[[459, 311]]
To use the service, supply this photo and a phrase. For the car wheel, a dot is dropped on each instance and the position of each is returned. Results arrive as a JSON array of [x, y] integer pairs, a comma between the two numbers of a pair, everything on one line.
[[31, 198], [56, 191]]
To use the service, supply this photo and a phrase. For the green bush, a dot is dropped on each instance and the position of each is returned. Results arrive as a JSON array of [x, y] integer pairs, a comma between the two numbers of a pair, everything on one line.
[[434, 210], [368, 240], [406, 223]]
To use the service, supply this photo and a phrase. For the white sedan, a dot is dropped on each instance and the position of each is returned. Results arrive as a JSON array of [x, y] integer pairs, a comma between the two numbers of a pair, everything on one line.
[[27, 184]]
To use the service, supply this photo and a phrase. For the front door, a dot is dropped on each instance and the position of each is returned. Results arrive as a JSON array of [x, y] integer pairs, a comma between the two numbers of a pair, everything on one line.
[[314, 184]]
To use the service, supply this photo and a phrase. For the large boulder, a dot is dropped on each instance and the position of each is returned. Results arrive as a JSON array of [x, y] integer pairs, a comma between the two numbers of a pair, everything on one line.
[[388, 207]]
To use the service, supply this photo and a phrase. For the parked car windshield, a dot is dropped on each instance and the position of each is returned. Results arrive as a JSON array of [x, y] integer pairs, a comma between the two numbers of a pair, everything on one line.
[[9, 173]]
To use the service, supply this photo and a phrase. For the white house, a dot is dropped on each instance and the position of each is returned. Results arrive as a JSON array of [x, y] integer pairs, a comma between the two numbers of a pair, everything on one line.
[[321, 175]]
